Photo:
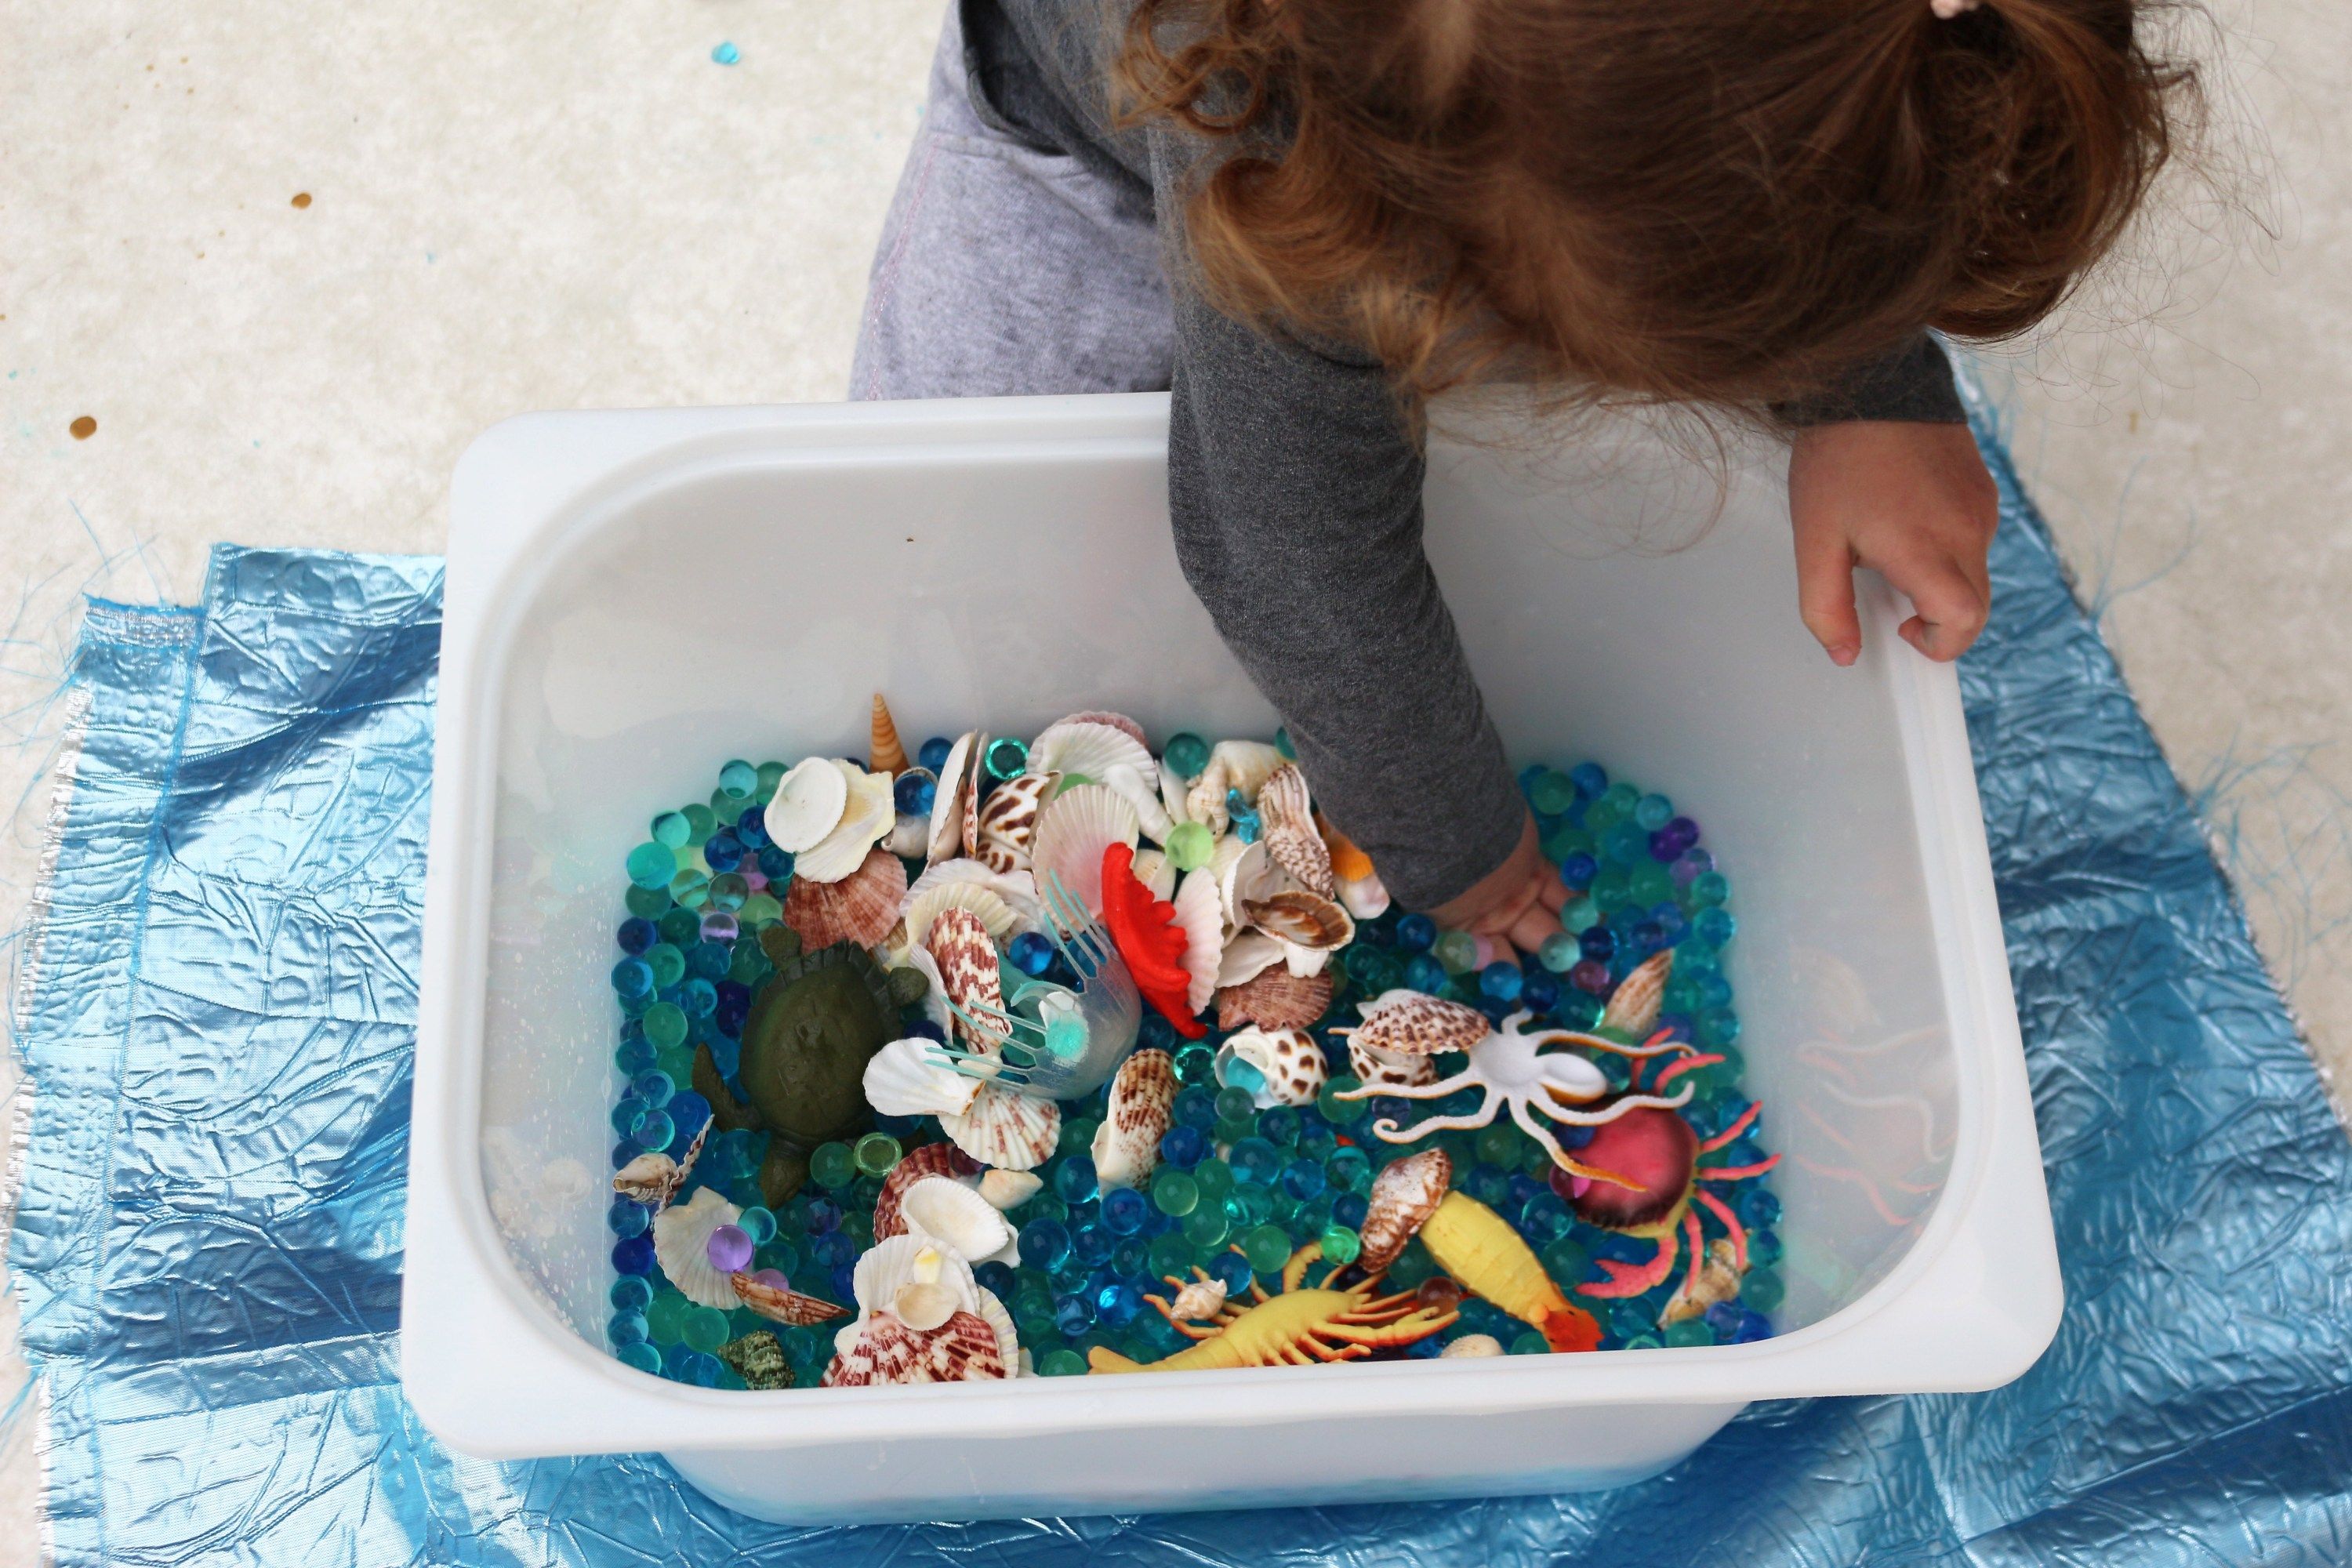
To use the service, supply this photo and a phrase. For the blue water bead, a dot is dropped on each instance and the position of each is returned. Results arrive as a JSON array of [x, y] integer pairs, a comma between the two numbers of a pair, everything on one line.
[[1117, 1303], [632, 1254], [1278, 1125], [630, 1293], [654, 1088], [751, 829], [1234, 1269], [844, 1280], [633, 979], [776, 865], [626, 1150], [914, 792], [1124, 1210], [1590, 779], [1073, 1314], [1710, 888], [1045, 1244], [1415, 933], [1183, 1147], [1758, 1209], [1349, 1209], [723, 850], [1670, 920], [995, 1278], [708, 959], [637, 1053], [1091, 1241], [689, 1110], [626, 1218], [1626, 845], [1304, 1180], [1032, 952], [1501, 982], [1539, 992], [1649, 936], [1196, 1107], [1753, 1326], [1425, 974], [677, 1362], [1131, 1256], [933, 754], [1578, 870], [698, 997], [1713, 925], [733, 1009], [625, 1111], [1074, 1179], [1157, 1033], [824, 1216], [1598, 943], [1713, 991], [653, 1129], [636, 934], [1254, 1160]]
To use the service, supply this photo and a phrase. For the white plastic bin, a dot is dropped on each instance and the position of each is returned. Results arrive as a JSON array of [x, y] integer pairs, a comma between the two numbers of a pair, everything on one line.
[[634, 597]]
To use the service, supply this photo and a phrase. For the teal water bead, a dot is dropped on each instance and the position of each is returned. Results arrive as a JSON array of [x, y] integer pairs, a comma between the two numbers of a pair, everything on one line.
[[1651, 885], [1077, 1136], [1601, 816], [1340, 1113], [705, 1328], [770, 776], [1242, 1079], [668, 964], [681, 928], [1254, 1160], [759, 1223], [1529, 1343], [1551, 792], [1349, 1169], [1237, 1104], [1502, 1144], [690, 890], [739, 778], [671, 829], [1458, 951], [1566, 1261], [1196, 1063], [1340, 1244], [1764, 1249], [647, 903], [1232, 1131], [1267, 1247], [1215, 1180], [1579, 915], [664, 1025], [653, 1130], [875, 1154], [1762, 1290], [1174, 1193], [1560, 952], [1653, 812], [1689, 1332], [1625, 845], [701, 822], [1708, 889], [1717, 1028], [1611, 888], [665, 1316], [1186, 755], [1168, 1253], [1249, 1206], [727, 892], [1621, 798], [1278, 1125], [1642, 1342], [651, 865], [833, 1165], [642, 1356], [1206, 1229], [1006, 757], [1061, 1363]]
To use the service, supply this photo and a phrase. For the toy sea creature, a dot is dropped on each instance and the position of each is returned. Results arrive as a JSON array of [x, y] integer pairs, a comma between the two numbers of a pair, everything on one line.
[[1287, 1064], [860, 908], [1296, 1327], [1478, 1247], [654, 1179], [812, 1028], [1655, 1154], [1150, 939], [1142, 1108], [1511, 1068], [1403, 1197]]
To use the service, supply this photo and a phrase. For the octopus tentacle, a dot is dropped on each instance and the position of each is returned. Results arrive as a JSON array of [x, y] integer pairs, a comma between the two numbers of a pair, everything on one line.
[[1467, 1078], [1387, 1130]]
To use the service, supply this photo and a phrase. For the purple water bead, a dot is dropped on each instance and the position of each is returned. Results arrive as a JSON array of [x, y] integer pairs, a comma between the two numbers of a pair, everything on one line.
[[773, 1279], [1591, 975], [1691, 865], [728, 1249]]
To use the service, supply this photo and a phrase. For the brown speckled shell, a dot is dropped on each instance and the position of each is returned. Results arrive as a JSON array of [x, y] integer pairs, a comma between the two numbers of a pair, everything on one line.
[[1286, 824], [1138, 1113], [1382, 1072], [962, 1350], [783, 1306], [1309, 920], [1403, 1197], [960, 944], [930, 1159], [1634, 1005], [1275, 999], [1419, 1025], [1299, 1072], [1008, 822], [859, 909]]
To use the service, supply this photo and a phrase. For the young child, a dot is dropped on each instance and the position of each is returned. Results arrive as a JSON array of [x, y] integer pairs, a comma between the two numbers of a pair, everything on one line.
[[1305, 216]]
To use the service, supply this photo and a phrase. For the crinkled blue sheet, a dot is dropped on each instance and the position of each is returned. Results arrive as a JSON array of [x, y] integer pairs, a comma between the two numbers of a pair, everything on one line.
[[209, 1239]]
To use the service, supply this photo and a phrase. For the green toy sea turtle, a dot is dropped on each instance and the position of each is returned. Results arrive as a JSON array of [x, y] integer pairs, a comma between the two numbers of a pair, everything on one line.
[[812, 1030]]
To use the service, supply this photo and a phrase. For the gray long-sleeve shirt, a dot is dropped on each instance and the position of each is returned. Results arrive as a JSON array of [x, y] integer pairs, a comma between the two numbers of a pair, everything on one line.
[[1294, 488]]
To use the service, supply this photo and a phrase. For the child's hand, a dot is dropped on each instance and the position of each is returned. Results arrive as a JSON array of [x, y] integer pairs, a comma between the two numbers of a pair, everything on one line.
[[1913, 501], [1518, 902]]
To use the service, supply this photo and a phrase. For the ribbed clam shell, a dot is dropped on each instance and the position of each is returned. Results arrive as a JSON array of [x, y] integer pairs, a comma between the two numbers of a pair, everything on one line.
[[955, 1217], [920, 1165], [860, 909], [1412, 1024], [1250, 953], [890, 1266], [960, 944], [1633, 1006], [1289, 1059], [1275, 999], [1072, 834], [1156, 872], [964, 1349], [1403, 1197], [958, 776], [1302, 919], [1286, 824], [783, 1306], [1008, 822], [808, 803], [1203, 915], [681, 1244], [1008, 1340], [1101, 716], [1086, 747], [1006, 1129], [1471, 1347], [885, 753], [901, 1079], [1140, 1109], [872, 814]]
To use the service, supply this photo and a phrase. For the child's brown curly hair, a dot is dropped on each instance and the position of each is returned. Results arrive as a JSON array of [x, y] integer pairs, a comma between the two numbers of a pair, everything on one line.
[[1711, 201]]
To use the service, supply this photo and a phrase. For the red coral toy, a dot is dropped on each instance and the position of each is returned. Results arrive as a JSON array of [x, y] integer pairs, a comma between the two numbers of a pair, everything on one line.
[[1149, 938]]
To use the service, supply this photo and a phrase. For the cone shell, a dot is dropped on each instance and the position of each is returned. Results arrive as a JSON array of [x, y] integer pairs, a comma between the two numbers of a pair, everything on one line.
[[1275, 999], [886, 754], [872, 814], [920, 1164], [901, 1079], [1203, 915], [1410, 1023], [681, 1243], [1072, 834], [1006, 1129], [1286, 825], [1084, 746], [1290, 1060], [959, 776], [1140, 1109], [783, 1306], [808, 803], [964, 1349], [1403, 1197], [955, 1218], [1634, 1005], [859, 909], [1008, 822], [1302, 919], [960, 944]]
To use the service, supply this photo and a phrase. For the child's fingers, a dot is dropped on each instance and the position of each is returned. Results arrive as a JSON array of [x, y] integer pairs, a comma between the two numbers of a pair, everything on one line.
[[1825, 586], [1529, 933], [1554, 893], [1951, 600]]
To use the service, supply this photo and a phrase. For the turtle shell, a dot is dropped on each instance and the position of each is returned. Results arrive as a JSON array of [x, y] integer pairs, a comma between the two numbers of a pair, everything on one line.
[[812, 1030]]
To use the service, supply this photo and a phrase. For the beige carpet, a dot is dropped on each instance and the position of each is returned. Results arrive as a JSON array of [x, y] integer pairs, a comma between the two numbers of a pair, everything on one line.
[[289, 259]]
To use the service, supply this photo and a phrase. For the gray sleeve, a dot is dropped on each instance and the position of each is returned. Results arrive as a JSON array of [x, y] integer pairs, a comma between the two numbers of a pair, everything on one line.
[[1911, 385], [1295, 494]]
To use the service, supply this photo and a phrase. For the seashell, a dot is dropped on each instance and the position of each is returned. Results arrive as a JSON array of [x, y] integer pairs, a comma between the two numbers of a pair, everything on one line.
[[1349, 864], [1204, 803], [1172, 799], [1471, 1347], [909, 838], [1008, 822], [1072, 834], [1275, 999], [1006, 1129], [1200, 1299], [1156, 872], [1008, 1340], [1407, 1022], [808, 803], [860, 908], [1719, 1280], [957, 1219], [1008, 1190], [1116, 721], [1302, 919], [758, 1359], [1083, 746], [1386, 1069], [1140, 1109], [935, 994], [781, 1306], [902, 1080], [963, 1348], [1243, 766], [681, 1240], [872, 814], [1130, 787], [1366, 897], [1247, 956], [1305, 962], [654, 1179], [885, 753], [1290, 1061], [960, 944], [1287, 826], [1245, 872], [886, 1269], [1201, 913], [1632, 1008], [920, 911], [920, 1164], [1403, 1197], [958, 777]]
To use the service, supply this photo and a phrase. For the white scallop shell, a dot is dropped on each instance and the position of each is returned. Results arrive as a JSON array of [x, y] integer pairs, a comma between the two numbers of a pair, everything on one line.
[[1102, 716], [1471, 1347], [1018, 890], [1289, 1059], [682, 1243], [890, 1267], [1243, 875], [1157, 872], [1130, 785], [957, 1219], [901, 1079], [1082, 746], [808, 803], [957, 775], [1006, 1129], [1201, 914], [1008, 1340], [925, 908], [873, 813], [1250, 954], [1072, 835]]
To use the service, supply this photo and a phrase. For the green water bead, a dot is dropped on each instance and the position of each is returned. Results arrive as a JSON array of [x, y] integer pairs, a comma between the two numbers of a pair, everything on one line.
[[1169, 1254], [1458, 951], [1412, 1266], [1186, 755], [1175, 1194], [680, 928], [1502, 1144], [668, 964], [647, 903], [665, 1316], [1689, 1332], [1709, 889], [665, 1024], [1005, 757], [1566, 1261], [1267, 1247], [1341, 1244], [1079, 1136], [690, 889], [1652, 884], [760, 910], [771, 774], [738, 779], [701, 822], [1063, 1363], [1215, 1180], [1206, 1229], [747, 965], [1189, 845], [1232, 1131], [705, 1328], [1612, 888], [1762, 1290], [1338, 1111], [651, 865], [1642, 1342], [1236, 1105], [875, 1154], [1578, 916], [832, 1165], [1551, 792], [1196, 1063], [1621, 798], [1529, 1343]]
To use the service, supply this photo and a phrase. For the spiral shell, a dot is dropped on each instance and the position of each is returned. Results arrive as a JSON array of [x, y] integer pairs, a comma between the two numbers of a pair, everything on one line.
[[1138, 1113], [1286, 825], [1633, 1006], [886, 754], [860, 909], [1289, 1061], [1008, 822], [1403, 1197]]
